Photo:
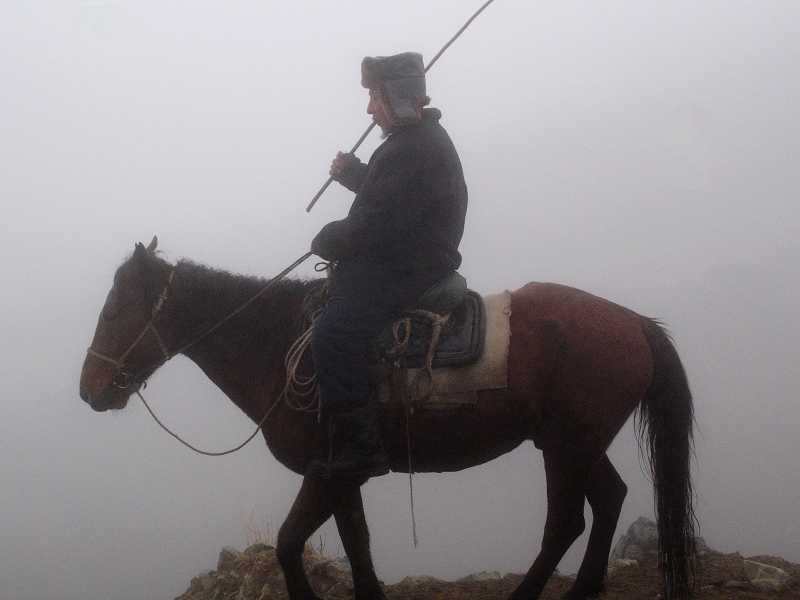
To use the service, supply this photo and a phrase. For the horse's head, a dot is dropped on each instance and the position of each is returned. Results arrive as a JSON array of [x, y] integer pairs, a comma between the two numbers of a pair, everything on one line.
[[127, 348]]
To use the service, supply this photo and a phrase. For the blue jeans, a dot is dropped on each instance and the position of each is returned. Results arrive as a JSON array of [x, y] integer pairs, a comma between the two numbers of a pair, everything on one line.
[[341, 345]]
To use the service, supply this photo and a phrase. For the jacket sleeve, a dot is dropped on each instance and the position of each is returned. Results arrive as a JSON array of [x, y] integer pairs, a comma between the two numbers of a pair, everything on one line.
[[353, 172], [378, 219]]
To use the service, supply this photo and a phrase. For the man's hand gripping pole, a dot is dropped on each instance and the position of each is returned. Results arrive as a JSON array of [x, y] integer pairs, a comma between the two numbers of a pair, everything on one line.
[[369, 129]]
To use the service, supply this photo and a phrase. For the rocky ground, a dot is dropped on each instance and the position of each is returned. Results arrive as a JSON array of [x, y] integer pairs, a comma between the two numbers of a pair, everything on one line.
[[256, 575]]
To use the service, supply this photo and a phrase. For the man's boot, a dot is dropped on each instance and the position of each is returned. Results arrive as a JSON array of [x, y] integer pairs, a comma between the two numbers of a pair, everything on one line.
[[362, 453]]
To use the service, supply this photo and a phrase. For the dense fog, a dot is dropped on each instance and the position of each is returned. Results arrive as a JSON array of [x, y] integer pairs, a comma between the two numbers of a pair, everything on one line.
[[645, 152]]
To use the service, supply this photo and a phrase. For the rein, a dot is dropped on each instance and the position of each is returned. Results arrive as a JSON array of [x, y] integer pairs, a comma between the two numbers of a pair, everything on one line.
[[188, 445], [127, 378]]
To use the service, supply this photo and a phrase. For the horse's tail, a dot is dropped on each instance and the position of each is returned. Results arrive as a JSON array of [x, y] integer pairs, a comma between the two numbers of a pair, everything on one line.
[[665, 419]]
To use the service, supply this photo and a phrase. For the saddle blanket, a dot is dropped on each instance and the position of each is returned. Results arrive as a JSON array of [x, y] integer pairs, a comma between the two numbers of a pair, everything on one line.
[[459, 385]]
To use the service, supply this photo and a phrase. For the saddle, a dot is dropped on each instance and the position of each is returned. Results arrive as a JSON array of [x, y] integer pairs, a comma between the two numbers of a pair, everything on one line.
[[448, 320], [448, 330], [445, 328]]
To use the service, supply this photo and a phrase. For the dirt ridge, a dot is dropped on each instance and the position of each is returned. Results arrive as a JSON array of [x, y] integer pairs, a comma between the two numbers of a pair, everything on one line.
[[256, 575]]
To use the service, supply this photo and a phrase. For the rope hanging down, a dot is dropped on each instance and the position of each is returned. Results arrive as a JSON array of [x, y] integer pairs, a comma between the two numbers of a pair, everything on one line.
[[372, 126]]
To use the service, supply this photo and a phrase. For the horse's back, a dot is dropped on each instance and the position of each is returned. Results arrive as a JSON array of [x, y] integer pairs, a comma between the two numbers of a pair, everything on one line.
[[582, 362]]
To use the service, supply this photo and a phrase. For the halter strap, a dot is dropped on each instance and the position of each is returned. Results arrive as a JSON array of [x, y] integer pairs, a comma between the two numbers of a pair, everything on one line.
[[120, 364], [116, 363]]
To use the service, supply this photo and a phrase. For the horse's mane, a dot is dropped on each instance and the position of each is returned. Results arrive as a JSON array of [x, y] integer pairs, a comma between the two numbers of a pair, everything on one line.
[[210, 295]]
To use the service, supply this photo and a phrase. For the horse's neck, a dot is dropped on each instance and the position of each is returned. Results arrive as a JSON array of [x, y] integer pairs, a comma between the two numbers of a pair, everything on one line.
[[244, 355]]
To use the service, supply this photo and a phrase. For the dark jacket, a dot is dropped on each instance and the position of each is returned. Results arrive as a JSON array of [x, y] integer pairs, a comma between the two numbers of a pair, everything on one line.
[[403, 229]]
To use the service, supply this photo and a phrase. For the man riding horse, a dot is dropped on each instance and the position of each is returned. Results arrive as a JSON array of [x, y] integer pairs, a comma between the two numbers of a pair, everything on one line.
[[400, 237], [578, 366]]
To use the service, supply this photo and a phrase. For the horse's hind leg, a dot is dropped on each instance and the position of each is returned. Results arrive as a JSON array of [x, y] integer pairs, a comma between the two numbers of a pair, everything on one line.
[[605, 492], [565, 496], [312, 507], [352, 525]]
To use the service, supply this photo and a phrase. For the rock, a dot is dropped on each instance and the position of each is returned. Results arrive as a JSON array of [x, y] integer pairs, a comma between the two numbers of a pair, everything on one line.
[[249, 588], [226, 558], [327, 574], [622, 562], [640, 541], [417, 579], [482, 576], [207, 579], [736, 585], [257, 548], [766, 577], [343, 563]]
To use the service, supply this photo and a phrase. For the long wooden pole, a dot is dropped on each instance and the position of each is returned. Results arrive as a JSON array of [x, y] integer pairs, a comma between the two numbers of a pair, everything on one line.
[[370, 128]]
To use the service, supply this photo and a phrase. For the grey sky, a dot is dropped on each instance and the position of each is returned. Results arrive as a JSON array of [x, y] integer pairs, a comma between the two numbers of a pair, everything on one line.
[[645, 152]]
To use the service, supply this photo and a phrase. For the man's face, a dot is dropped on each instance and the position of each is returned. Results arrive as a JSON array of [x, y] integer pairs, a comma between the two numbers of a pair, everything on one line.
[[377, 109]]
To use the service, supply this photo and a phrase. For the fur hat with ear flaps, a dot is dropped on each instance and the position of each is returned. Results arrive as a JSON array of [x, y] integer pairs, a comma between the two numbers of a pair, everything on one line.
[[401, 81]]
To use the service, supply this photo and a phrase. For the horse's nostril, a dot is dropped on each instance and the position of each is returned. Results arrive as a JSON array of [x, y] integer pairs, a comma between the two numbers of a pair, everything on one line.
[[84, 394]]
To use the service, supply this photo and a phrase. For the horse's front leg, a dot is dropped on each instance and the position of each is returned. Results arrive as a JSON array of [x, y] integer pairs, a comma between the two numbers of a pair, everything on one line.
[[352, 525], [312, 507]]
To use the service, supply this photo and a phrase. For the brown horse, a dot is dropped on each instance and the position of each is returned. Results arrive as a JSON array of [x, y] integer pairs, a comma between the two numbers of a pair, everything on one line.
[[579, 366]]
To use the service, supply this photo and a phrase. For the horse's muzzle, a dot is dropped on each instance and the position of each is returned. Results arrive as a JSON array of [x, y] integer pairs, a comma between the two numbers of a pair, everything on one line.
[[112, 400]]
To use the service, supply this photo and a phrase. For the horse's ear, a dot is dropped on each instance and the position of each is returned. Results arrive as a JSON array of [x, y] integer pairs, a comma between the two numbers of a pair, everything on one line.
[[143, 253], [140, 252], [151, 248]]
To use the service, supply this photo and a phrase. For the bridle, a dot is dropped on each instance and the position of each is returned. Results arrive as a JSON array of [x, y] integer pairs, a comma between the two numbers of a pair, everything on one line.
[[122, 379]]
